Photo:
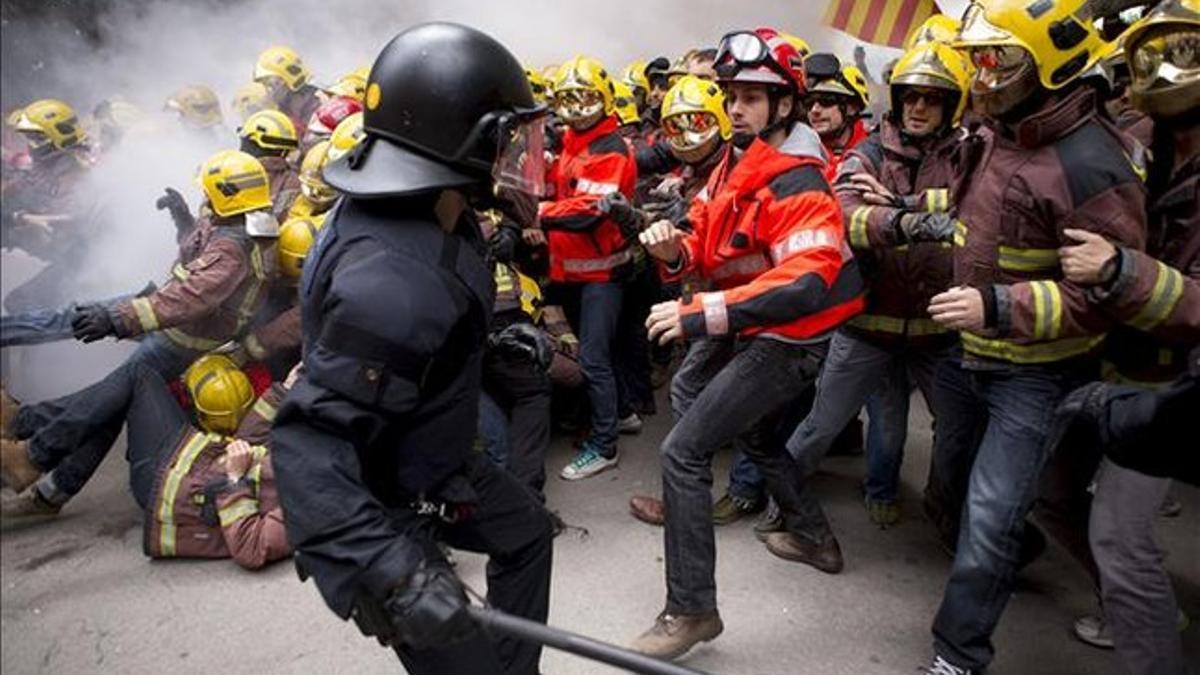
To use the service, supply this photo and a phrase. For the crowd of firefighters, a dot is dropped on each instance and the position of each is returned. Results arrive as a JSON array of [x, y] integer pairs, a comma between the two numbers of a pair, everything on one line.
[[1018, 218]]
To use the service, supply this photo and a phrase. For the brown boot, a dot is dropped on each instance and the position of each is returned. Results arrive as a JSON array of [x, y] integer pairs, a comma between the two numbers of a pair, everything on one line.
[[647, 509], [27, 506], [8, 414], [15, 468], [674, 634], [826, 557]]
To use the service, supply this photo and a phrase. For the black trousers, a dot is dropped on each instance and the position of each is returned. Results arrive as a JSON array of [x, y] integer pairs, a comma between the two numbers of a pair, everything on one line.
[[522, 390], [515, 532]]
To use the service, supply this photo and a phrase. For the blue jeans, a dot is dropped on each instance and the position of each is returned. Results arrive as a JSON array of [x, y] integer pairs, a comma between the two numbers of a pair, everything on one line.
[[599, 312], [1016, 407], [39, 326], [69, 436], [493, 430]]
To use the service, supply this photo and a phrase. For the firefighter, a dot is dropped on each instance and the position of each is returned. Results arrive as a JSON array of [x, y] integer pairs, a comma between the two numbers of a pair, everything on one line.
[[45, 211], [316, 196], [1156, 296], [270, 137], [836, 102], [785, 280], [1043, 161], [326, 118], [590, 254], [286, 78], [204, 480], [373, 448], [199, 111], [251, 98]]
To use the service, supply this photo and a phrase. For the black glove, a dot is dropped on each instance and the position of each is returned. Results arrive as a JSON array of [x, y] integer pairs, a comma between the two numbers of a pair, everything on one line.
[[173, 202], [91, 323], [617, 206], [915, 228], [430, 611]]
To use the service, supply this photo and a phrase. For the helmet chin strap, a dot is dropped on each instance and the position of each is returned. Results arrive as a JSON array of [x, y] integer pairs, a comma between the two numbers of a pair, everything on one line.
[[775, 122]]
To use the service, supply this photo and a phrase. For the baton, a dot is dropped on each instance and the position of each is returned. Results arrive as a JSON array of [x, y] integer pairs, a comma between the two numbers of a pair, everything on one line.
[[532, 631]]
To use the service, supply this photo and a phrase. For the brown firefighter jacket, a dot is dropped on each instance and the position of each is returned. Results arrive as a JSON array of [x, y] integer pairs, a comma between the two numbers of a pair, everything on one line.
[[195, 512], [1156, 294], [216, 287], [284, 180], [902, 278], [1064, 166]]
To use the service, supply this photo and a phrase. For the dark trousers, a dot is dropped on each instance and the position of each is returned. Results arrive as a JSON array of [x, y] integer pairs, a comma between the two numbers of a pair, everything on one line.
[[595, 310], [1017, 407], [521, 390], [725, 390], [71, 435], [515, 532], [83, 426], [631, 359]]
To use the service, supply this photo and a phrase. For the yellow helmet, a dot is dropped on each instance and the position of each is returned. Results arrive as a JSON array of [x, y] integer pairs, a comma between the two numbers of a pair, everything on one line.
[[205, 366], [937, 28], [296, 237], [234, 183], [583, 91], [1057, 34], [799, 43], [934, 65], [849, 82], [625, 104], [222, 398], [49, 123], [347, 134], [284, 63], [693, 117], [270, 130], [251, 98], [537, 84], [312, 184], [353, 84], [197, 106], [634, 77], [1163, 51]]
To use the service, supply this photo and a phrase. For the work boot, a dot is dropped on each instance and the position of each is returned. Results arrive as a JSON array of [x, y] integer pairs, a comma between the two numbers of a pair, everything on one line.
[[15, 468], [8, 415], [674, 634], [826, 556], [770, 521], [647, 509], [730, 509], [29, 505]]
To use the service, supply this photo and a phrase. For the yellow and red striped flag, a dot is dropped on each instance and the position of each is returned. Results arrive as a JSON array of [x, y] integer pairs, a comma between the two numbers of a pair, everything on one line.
[[881, 22]]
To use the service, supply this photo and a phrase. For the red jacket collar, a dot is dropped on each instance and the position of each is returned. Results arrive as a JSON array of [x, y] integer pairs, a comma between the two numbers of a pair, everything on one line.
[[575, 142]]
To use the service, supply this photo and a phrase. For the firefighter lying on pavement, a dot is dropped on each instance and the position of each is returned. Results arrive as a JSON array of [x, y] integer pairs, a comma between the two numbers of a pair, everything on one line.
[[204, 480]]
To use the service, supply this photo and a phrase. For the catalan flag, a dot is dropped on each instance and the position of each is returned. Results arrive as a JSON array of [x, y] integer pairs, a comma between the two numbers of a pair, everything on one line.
[[881, 22]]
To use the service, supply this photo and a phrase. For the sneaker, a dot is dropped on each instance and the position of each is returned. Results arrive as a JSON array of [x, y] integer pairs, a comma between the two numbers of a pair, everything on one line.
[[1171, 508], [674, 634], [587, 463], [770, 521], [15, 468], [826, 556], [941, 666], [29, 505], [883, 513], [630, 424], [730, 509], [1093, 630]]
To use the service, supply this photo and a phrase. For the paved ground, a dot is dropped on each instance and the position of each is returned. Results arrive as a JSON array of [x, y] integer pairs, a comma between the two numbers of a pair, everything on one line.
[[78, 596]]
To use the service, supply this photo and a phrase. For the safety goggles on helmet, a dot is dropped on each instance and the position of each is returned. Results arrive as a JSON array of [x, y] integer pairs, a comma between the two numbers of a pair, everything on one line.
[[743, 55], [1172, 55]]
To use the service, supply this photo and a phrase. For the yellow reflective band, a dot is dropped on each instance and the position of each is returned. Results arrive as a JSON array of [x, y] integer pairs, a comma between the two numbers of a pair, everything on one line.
[[1028, 259], [248, 308], [937, 200], [1042, 352], [925, 327], [180, 272], [166, 508], [858, 227], [254, 347], [1056, 310], [1168, 289], [264, 409], [145, 314], [960, 233], [242, 508]]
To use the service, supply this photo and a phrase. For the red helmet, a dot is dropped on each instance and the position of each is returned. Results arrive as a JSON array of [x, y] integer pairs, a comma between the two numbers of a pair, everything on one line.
[[332, 112], [763, 56]]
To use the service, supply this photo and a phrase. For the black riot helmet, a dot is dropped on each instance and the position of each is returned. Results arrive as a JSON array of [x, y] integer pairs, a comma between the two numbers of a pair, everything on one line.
[[445, 106]]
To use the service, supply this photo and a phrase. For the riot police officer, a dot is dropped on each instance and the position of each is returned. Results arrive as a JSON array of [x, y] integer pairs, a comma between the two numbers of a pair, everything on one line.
[[375, 443]]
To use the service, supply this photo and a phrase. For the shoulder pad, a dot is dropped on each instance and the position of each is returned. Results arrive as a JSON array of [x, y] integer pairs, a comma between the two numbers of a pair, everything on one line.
[[608, 144], [806, 178], [872, 150], [1093, 161]]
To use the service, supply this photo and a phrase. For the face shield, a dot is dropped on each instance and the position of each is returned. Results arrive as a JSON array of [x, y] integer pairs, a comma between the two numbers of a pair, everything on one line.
[[1170, 58], [578, 105], [521, 157]]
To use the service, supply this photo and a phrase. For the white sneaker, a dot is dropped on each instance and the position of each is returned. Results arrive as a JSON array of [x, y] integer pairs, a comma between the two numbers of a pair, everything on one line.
[[587, 463], [631, 424], [941, 666], [1093, 630]]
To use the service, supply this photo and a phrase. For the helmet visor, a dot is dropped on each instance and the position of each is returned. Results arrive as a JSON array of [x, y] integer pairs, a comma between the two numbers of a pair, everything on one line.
[[521, 157], [1171, 57], [689, 130], [998, 66]]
